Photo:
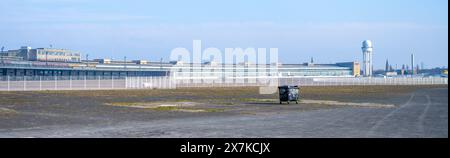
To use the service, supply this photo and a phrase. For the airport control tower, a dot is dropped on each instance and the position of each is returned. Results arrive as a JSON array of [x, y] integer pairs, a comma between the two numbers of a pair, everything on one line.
[[367, 57]]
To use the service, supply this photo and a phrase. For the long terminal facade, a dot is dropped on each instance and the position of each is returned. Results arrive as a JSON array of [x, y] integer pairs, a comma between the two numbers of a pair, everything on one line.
[[19, 66]]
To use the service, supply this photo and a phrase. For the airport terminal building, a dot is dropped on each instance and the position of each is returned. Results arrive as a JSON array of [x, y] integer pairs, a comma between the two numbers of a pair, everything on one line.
[[43, 54], [66, 63]]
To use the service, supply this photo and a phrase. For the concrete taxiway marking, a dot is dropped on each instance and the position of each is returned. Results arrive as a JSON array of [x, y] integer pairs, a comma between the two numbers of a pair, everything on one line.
[[424, 114], [382, 121]]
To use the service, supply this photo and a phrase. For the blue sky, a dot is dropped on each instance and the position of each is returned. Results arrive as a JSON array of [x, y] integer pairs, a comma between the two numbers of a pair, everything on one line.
[[328, 30]]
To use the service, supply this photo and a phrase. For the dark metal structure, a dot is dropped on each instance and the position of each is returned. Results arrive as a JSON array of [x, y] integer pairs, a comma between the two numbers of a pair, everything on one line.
[[289, 93]]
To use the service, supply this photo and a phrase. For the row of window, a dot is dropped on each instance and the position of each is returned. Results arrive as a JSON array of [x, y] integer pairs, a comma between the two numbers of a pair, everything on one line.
[[327, 73], [57, 53], [12, 72], [60, 59]]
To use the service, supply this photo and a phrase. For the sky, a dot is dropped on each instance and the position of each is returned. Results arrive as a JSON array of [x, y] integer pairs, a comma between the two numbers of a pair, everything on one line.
[[328, 30]]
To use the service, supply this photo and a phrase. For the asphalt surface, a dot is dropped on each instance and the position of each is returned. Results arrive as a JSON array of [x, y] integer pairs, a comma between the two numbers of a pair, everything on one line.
[[422, 114]]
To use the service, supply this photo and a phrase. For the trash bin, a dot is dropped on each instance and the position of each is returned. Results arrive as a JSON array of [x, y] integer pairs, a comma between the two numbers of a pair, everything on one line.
[[288, 93]]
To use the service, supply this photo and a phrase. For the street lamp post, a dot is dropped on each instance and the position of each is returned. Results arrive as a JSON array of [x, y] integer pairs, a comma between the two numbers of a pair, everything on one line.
[[1, 55], [46, 58], [125, 62], [87, 60]]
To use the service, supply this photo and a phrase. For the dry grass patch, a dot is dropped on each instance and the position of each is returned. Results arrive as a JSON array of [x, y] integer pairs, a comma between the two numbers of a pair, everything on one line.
[[7, 112], [328, 102], [167, 106], [259, 100], [153, 104]]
